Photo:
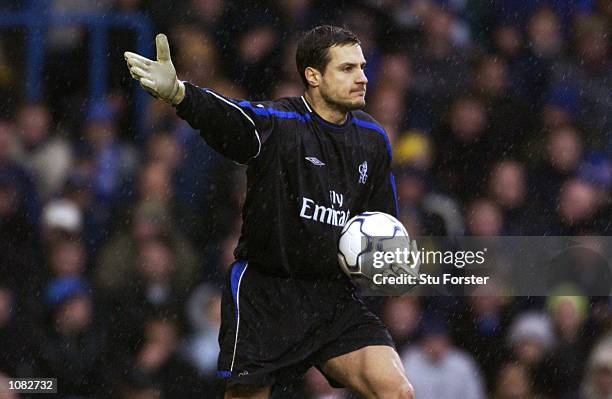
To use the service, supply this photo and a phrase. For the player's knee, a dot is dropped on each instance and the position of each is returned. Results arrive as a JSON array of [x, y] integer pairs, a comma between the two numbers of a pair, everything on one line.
[[398, 388], [405, 391], [402, 390]]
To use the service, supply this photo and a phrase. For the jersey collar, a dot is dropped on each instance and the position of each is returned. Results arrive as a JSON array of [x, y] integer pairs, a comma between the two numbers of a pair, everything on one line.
[[349, 117]]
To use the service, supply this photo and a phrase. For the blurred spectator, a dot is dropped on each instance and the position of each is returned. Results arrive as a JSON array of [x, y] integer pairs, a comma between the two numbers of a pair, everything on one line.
[[19, 218], [227, 246], [395, 71], [507, 42], [158, 357], [507, 184], [484, 218], [560, 107], [287, 89], [66, 38], [424, 207], [73, 348], [530, 338], [414, 149], [67, 258], [96, 220], [513, 382], [156, 268], [481, 327], [422, 212], [258, 55], [8, 74], [47, 156], [578, 207], [14, 340], [109, 163], [296, 15], [204, 312], [440, 69], [60, 219], [149, 220], [163, 149], [387, 106], [139, 386], [127, 5], [543, 50], [590, 74], [508, 190], [199, 180], [597, 382], [402, 316], [562, 153], [405, 15], [154, 184], [544, 34], [201, 347], [15, 175], [510, 120], [198, 59], [463, 148], [206, 14], [435, 359], [66, 48], [564, 366], [5, 392], [596, 169], [151, 287]]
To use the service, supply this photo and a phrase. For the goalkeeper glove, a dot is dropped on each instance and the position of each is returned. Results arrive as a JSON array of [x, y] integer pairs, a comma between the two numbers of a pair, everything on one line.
[[158, 78]]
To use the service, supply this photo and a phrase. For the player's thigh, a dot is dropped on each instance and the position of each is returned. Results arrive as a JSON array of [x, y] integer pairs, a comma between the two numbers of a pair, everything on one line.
[[371, 371], [247, 392]]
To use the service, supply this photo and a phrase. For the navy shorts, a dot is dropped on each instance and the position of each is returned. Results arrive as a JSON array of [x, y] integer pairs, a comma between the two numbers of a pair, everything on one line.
[[274, 329]]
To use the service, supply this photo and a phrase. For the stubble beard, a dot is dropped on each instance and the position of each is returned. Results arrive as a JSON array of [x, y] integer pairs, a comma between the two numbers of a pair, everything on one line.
[[342, 106]]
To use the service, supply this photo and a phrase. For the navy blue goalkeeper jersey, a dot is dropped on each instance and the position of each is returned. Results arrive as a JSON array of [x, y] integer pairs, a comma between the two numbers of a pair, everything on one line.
[[305, 176]]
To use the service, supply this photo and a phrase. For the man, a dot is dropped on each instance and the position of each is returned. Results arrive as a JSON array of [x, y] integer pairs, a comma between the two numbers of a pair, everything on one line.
[[313, 162]]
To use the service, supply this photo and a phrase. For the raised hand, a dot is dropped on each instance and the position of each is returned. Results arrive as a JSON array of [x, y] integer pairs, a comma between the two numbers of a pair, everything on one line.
[[157, 77]]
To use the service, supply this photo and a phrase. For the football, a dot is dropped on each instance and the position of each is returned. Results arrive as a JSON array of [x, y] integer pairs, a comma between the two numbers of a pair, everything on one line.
[[367, 234]]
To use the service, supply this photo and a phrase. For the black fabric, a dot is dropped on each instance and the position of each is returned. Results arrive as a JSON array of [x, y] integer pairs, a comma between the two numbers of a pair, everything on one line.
[[304, 181], [286, 325]]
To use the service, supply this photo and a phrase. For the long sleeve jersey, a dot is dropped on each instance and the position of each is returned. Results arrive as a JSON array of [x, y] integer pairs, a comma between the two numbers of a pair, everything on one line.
[[306, 177]]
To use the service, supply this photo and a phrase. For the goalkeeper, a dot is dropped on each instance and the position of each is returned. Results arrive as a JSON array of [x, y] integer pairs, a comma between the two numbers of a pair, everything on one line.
[[313, 162]]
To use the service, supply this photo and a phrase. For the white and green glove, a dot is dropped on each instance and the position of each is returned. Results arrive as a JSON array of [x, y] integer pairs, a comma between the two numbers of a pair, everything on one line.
[[157, 77]]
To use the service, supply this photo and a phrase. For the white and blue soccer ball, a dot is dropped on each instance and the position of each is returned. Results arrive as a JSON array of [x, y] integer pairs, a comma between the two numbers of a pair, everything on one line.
[[367, 233]]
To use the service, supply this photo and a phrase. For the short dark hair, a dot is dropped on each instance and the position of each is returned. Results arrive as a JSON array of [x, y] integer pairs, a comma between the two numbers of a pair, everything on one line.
[[313, 47]]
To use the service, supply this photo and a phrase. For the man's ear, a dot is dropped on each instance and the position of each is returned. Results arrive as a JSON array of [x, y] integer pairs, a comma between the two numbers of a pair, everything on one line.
[[313, 77]]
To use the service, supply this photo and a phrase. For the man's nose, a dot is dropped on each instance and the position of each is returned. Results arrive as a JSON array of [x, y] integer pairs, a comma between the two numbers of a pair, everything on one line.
[[362, 78]]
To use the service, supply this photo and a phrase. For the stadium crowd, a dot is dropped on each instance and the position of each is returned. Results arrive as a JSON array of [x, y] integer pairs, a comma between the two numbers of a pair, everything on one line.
[[113, 244]]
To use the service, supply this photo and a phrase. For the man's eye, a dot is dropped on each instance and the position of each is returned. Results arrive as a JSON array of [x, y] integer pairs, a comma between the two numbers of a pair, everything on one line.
[[348, 69]]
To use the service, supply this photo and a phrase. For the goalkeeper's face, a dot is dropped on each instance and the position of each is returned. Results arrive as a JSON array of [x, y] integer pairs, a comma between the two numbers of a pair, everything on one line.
[[343, 83]]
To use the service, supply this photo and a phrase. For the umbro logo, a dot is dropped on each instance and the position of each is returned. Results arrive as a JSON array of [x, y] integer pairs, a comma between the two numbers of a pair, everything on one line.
[[315, 161]]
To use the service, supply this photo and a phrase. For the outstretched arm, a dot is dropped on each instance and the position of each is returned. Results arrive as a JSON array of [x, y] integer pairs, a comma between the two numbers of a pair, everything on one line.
[[236, 129]]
